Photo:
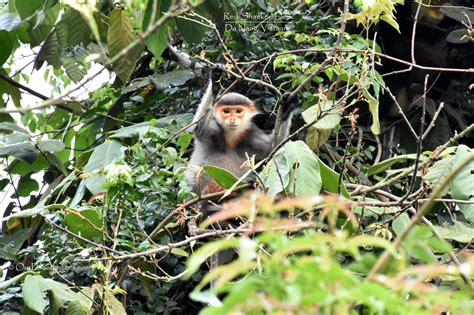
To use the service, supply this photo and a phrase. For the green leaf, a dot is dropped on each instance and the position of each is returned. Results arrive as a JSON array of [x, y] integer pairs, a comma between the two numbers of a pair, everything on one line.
[[49, 52], [5, 284], [297, 166], [222, 176], [33, 293], [78, 31], [119, 36], [305, 175], [27, 8], [330, 180], [40, 31], [200, 256], [460, 14], [172, 78], [23, 151], [386, 164], [12, 127], [179, 252], [400, 222], [113, 305], [7, 42], [374, 110], [326, 114], [51, 145], [103, 155], [192, 32], [460, 36], [131, 131], [158, 40], [11, 243], [315, 138], [9, 21], [276, 173], [80, 223], [459, 232], [25, 213], [22, 168], [439, 171], [462, 186], [26, 185]]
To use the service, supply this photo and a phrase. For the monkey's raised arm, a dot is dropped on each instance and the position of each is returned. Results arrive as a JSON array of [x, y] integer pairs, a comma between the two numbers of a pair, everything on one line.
[[205, 127]]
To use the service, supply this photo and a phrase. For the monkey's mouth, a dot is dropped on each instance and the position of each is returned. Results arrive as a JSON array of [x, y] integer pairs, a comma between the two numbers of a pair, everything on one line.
[[233, 126]]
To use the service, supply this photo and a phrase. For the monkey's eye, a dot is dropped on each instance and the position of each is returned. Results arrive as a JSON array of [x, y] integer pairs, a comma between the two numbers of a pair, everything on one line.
[[226, 111], [238, 111]]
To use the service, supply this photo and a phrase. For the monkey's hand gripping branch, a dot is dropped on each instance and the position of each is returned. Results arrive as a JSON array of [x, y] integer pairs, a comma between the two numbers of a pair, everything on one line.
[[188, 62]]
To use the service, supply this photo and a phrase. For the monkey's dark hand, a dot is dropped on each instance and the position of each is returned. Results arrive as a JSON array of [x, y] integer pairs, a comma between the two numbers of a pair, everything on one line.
[[288, 104], [216, 74], [251, 180]]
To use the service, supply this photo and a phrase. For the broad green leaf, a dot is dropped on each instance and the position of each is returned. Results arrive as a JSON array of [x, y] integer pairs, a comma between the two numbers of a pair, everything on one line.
[[179, 252], [5, 284], [26, 213], [382, 166], [222, 176], [400, 222], [131, 131], [49, 52], [326, 114], [51, 145], [27, 8], [11, 243], [460, 14], [12, 127], [9, 21], [14, 138], [192, 32], [78, 31], [40, 31], [80, 223], [7, 42], [459, 232], [113, 305], [158, 40], [374, 110], [276, 173], [460, 36], [33, 293], [305, 175], [23, 151], [295, 169], [200, 256], [315, 138], [172, 78], [462, 186], [439, 171], [330, 180], [119, 37], [103, 155], [20, 167], [26, 185]]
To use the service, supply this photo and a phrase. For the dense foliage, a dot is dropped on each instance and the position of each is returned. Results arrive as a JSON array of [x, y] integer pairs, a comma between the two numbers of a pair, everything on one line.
[[367, 207]]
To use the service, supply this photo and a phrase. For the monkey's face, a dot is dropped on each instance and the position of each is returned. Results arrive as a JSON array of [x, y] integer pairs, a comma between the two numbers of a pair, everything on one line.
[[234, 117]]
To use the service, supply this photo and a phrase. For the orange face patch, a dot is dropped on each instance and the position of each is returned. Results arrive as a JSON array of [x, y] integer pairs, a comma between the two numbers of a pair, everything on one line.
[[236, 120], [232, 114]]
